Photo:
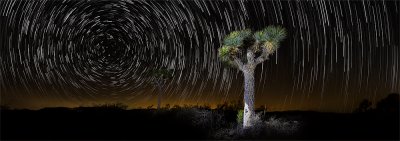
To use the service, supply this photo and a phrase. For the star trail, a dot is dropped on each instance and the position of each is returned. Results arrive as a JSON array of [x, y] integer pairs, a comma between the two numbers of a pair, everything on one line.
[[336, 52]]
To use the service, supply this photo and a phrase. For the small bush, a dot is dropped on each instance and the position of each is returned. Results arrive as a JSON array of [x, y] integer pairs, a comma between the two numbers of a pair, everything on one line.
[[282, 127], [273, 127], [111, 106], [239, 118]]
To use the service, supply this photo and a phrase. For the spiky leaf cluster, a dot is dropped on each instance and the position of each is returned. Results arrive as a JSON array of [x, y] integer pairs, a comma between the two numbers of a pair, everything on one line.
[[270, 37], [236, 38], [271, 33], [226, 53], [265, 41]]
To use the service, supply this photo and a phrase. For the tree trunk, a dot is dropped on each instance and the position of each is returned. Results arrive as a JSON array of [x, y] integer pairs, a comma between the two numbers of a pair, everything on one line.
[[159, 97], [248, 97]]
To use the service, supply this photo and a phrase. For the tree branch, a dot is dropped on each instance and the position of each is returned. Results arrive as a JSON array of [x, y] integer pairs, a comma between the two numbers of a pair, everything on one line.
[[238, 63], [264, 56]]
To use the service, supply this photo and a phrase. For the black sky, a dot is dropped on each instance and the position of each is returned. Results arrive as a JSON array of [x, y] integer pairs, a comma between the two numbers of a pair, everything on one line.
[[71, 53]]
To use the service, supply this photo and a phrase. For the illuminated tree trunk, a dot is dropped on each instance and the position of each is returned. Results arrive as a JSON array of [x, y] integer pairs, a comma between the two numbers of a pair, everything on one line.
[[248, 97]]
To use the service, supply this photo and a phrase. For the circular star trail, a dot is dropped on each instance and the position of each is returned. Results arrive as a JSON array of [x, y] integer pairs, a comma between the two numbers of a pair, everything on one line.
[[336, 52]]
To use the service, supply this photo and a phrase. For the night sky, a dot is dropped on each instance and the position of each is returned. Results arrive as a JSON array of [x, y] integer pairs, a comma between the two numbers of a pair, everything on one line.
[[79, 53]]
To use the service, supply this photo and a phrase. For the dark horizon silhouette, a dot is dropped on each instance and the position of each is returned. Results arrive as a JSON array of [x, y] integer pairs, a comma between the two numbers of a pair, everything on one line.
[[115, 121], [364, 106]]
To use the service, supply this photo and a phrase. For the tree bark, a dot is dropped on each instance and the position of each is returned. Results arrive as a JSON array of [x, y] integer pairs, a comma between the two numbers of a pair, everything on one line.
[[248, 97]]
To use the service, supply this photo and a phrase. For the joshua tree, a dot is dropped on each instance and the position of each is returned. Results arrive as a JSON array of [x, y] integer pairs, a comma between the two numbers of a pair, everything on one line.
[[160, 77], [244, 50]]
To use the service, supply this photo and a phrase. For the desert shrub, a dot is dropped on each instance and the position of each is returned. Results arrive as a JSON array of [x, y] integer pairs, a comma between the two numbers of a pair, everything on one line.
[[203, 118], [364, 106], [167, 107], [149, 107], [110, 106], [236, 131], [281, 126], [270, 128], [176, 107], [239, 118]]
